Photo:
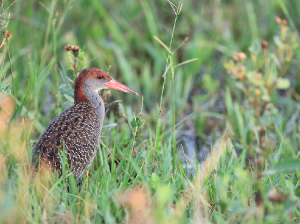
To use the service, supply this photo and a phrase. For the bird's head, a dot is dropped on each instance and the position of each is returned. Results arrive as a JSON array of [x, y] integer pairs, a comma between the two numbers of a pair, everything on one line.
[[94, 79]]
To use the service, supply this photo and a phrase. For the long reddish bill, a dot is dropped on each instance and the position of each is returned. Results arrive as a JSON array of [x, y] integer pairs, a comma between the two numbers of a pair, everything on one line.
[[113, 84]]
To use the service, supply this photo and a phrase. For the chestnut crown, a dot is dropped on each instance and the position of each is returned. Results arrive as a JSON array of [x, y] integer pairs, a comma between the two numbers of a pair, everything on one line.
[[94, 79]]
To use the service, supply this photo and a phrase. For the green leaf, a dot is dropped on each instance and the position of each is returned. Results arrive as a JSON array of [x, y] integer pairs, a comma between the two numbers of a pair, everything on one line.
[[65, 90], [259, 64], [69, 98], [67, 104], [4, 86], [154, 181], [255, 48], [278, 42], [283, 83], [135, 122], [266, 97], [254, 80], [164, 195], [81, 54], [240, 86], [210, 84], [285, 165], [229, 65], [266, 120]]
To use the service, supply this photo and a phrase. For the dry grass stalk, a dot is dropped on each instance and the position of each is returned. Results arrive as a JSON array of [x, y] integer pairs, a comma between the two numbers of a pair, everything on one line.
[[137, 203]]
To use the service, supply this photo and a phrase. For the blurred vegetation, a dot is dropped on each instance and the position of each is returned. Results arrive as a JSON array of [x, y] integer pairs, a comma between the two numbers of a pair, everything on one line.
[[213, 138]]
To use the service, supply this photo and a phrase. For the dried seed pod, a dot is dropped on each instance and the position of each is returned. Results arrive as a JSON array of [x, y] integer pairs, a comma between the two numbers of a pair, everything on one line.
[[7, 34], [75, 49], [276, 196], [68, 48]]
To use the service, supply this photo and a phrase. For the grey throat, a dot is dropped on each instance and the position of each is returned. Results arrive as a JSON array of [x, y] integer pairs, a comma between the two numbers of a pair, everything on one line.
[[91, 88]]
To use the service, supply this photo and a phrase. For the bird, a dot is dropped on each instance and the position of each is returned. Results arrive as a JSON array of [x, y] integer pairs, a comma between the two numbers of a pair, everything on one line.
[[76, 131]]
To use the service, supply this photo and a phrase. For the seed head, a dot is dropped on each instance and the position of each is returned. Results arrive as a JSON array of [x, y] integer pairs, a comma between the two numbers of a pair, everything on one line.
[[278, 20], [284, 22], [265, 44], [7, 34], [73, 48], [240, 56], [68, 47]]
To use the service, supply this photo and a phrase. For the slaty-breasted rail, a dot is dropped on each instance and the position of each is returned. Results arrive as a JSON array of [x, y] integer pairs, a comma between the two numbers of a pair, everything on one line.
[[77, 129]]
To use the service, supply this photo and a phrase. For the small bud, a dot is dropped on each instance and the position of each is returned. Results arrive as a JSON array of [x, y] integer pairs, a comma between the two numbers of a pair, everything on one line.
[[1, 24], [284, 22], [75, 50], [242, 56], [278, 20], [236, 57], [68, 48], [7, 34], [265, 44]]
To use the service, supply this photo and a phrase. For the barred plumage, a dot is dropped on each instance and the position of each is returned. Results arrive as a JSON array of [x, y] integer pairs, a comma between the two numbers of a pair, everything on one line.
[[77, 130]]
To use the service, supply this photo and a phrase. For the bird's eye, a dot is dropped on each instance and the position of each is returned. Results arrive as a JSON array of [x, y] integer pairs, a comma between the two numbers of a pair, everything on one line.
[[99, 76]]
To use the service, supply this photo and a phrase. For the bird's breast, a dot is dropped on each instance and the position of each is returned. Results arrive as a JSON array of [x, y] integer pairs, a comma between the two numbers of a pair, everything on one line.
[[76, 133]]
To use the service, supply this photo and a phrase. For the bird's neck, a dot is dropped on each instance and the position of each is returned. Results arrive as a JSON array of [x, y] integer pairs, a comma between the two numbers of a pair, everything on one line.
[[96, 102]]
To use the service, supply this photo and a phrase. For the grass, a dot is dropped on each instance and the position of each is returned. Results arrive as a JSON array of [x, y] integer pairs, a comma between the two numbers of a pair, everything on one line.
[[250, 128]]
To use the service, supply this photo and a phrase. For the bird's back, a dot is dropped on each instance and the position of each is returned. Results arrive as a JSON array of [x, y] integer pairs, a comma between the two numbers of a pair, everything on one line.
[[76, 132]]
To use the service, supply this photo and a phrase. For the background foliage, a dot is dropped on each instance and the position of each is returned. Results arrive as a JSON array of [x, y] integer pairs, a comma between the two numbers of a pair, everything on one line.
[[220, 146]]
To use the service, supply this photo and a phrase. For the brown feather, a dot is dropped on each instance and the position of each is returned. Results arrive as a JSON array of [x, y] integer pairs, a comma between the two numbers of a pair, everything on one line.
[[79, 127], [85, 74]]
